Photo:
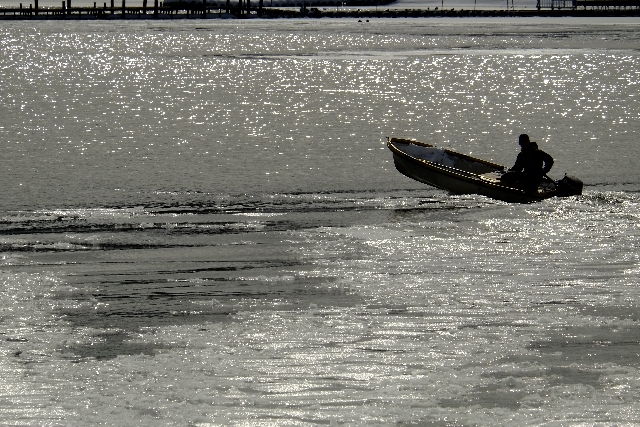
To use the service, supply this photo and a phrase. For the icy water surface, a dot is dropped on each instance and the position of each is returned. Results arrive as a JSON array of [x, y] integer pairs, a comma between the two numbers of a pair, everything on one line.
[[201, 225]]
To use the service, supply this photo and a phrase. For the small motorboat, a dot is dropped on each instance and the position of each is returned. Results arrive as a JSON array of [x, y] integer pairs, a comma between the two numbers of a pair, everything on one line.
[[463, 174]]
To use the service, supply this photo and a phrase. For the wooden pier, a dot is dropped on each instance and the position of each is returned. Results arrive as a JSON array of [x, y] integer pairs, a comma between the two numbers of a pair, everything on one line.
[[588, 4], [316, 9], [111, 11]]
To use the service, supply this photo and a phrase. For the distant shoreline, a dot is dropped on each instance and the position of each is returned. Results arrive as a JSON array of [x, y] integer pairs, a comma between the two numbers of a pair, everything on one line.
[[257, 10]]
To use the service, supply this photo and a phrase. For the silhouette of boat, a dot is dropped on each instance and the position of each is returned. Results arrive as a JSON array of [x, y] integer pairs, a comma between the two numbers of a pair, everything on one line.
[[463, 174]]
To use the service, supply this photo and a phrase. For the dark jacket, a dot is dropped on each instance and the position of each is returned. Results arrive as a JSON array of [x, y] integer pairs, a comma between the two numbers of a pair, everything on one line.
[[533, 162]]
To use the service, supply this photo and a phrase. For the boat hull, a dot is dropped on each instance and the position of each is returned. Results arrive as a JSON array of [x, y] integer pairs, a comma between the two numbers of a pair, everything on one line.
[[462, 174]]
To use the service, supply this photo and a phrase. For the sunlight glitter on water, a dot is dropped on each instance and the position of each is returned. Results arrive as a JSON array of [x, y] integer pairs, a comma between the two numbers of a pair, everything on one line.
[[451, 316], [203, 225]]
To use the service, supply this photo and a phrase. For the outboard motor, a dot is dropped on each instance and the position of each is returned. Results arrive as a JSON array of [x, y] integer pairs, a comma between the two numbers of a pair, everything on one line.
[[569, 186]]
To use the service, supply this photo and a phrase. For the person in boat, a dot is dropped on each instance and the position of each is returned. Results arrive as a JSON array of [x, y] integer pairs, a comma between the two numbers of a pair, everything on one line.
[[532, 164]]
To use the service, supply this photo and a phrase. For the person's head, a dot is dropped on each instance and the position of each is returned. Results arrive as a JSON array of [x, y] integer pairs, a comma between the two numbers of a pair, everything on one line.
[[524, 140]]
